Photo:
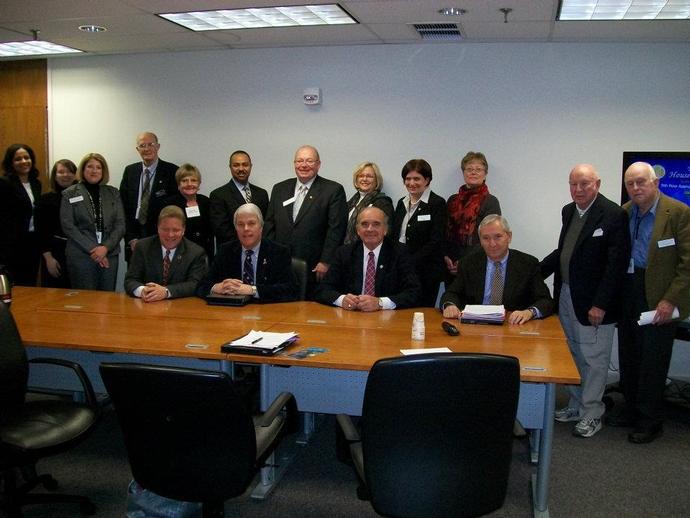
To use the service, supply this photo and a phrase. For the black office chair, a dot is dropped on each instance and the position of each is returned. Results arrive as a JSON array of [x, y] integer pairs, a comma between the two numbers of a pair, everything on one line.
[[436, 434], [33, 429], [188, 433], [300, 275]]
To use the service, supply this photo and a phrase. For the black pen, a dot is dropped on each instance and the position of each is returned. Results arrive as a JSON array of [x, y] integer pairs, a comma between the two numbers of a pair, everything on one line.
[[257, 340]]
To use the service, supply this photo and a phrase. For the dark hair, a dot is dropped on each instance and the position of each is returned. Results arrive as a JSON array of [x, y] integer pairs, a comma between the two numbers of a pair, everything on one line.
[[67, 164], [8, 166], [239, 152], [418, 165]]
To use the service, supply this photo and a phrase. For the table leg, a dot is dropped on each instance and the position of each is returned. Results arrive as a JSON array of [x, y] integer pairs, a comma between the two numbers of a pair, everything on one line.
[[540, 482]]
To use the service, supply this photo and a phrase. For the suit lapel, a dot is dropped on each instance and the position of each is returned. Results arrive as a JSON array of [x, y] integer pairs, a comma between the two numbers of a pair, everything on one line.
[[663, 212], [591, 223], [263, 265], [312, 193], [357, 268], [382, 267]]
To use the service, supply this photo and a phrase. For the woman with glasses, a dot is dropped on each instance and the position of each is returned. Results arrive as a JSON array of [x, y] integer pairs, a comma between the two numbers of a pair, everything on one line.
[[94, 222], [368, 183], [20, 188], [420, 222], [466, 210], [51, 237]]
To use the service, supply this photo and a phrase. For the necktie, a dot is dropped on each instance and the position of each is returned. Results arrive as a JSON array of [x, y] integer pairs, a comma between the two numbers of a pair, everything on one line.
[[248, 274], [370, 278], [166, 267], [298, 201], [247, 194], [145, 195], [496, 293]]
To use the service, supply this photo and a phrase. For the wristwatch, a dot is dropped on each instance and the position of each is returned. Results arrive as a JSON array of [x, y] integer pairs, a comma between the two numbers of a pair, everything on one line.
[[380, 303], [254, 291], [533, 310]]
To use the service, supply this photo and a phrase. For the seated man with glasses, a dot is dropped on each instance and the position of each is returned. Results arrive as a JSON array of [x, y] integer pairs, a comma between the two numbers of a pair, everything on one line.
[[309, 215]]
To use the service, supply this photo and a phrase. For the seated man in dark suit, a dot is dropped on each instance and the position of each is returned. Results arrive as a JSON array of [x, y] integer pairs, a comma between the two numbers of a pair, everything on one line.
[[167, 265], [252, 265], [499, 276], [372, 273]]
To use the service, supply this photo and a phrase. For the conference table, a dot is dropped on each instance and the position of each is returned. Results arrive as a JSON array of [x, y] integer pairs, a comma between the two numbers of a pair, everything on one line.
[[91, 327]]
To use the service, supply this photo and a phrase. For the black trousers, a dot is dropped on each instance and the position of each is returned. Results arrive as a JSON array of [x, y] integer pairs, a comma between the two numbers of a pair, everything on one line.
[[644, 354]]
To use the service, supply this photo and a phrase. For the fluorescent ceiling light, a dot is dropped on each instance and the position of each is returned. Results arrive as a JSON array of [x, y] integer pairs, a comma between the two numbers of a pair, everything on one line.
[[227, 19], [624, 10], [33, 48]]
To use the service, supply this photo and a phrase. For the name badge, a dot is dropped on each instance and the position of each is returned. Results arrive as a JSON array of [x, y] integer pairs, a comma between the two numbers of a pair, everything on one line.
[[192, 212], [666, 242], [598, 233], [99, 237], [424, 217], [288, 201], [76, 199]]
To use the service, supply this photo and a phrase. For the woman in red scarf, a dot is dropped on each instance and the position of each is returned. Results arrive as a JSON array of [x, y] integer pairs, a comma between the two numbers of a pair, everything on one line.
[[466, 209]]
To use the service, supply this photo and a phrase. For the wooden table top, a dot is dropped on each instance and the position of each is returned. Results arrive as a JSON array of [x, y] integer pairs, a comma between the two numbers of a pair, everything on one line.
[[115, 322]]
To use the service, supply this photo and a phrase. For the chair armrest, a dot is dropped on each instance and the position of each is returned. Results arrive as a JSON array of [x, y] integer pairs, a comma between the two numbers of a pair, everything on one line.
[[285, 400], [89, 393], [347, 426]]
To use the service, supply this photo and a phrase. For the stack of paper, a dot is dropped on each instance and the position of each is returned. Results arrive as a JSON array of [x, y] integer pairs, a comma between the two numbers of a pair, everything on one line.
[[260, 342], [483, 314]]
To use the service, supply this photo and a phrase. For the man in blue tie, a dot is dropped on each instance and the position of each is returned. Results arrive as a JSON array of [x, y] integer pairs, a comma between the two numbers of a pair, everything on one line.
[[252, 265], [372, 273]]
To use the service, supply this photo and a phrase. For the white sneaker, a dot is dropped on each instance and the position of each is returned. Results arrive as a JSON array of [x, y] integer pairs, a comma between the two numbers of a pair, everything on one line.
[[566, 414], [587, 427]]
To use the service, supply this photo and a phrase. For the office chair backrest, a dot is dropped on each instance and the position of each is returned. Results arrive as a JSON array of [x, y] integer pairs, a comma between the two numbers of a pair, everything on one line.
[[187, 433], [437, 433], [14, 367], [300, 275]]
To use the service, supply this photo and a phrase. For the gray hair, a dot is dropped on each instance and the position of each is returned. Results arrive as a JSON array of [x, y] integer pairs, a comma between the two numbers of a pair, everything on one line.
[[488, 220], [248, 208]]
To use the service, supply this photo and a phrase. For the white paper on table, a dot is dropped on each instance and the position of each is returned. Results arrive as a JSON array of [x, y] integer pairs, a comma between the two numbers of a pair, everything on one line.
[[646, 317], [263, 340], [484, 309], [408, 352]]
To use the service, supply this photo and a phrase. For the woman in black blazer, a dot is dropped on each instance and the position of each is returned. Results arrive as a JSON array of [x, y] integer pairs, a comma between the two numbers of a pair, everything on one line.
[[195, 206], [420, 223], [368, 183], [19, 190], [94, 222], [51, 238]]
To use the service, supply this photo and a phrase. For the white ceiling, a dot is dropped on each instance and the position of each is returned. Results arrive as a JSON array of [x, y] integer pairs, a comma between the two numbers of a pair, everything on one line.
[[133, 26]]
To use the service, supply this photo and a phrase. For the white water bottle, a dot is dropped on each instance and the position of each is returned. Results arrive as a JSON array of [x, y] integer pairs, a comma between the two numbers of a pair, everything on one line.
[[418, 332]]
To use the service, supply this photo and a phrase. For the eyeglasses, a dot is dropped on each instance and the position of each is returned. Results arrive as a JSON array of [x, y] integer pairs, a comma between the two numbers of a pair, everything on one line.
[[147, 145], [370, 176], [308, 161], [474, 169]]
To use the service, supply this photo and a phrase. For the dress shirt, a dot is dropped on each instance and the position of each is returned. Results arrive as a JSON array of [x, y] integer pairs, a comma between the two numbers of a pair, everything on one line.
[[142, 181], [641, 227], [410, 212], [490, 267], [255, 261], [137, 291], [386, 303], [241, 187], [30, 194], [582, 212]]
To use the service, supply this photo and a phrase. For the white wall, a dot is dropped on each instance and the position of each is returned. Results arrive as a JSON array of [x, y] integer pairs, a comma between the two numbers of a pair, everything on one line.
[[534, 109]]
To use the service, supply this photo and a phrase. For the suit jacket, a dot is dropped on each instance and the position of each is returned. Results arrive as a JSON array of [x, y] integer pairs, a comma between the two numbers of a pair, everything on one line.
[[668, 268], [599, 261], [376, 199], [163, 185], [197, 229], [320, 225], [224, 202], [395, 274], [79, 225], [189, 265], [274, 281], [524, 286]]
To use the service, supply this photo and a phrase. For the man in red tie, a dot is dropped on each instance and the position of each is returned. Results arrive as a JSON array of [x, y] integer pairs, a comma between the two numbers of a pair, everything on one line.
[[166, 265], [372, 273]]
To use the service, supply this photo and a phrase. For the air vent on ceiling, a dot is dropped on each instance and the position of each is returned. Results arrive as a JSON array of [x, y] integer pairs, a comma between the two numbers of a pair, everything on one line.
[[439, 31]]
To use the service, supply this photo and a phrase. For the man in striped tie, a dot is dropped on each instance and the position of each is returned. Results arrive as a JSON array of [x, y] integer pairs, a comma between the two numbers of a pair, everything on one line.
[[372, 273]]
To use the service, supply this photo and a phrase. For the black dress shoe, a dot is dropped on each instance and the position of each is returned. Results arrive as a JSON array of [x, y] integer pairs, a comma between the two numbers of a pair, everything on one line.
[[619, 420], [645, 435]]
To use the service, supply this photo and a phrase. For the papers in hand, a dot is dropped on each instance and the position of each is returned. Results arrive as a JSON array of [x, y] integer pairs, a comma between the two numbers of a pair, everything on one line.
[[264, 340], [647, 316], [483, 314]]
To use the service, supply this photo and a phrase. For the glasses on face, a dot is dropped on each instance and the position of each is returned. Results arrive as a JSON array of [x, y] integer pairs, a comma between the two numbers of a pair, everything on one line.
[[474, 170], [308, 161], [147, 145], [362, 176]]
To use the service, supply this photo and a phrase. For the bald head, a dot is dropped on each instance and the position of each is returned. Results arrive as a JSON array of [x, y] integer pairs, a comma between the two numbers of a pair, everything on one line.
[[584, 184], [642, 185]]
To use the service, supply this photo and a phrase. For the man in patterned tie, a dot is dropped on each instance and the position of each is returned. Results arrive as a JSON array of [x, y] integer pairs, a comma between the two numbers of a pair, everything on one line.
[[499, 275], [251, 265], [373, 273], [167, 265]]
